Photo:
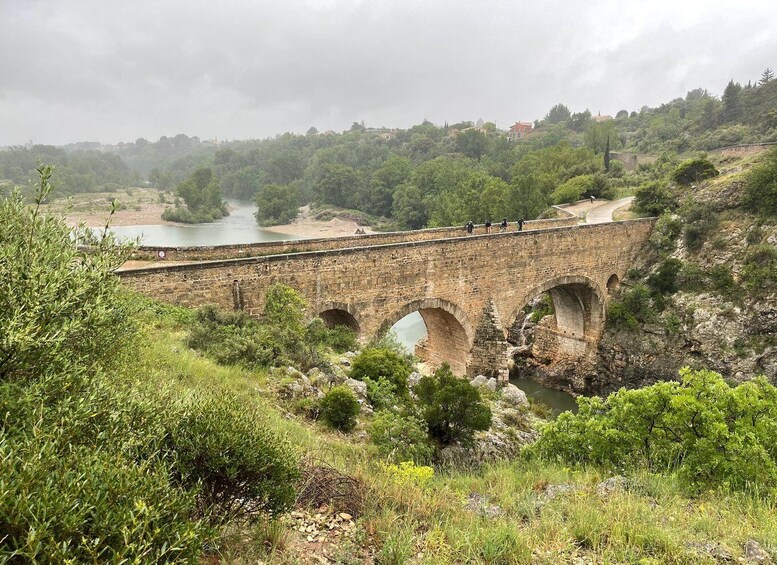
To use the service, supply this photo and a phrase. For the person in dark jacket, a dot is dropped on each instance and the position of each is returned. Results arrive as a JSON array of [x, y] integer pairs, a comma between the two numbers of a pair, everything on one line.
[[470, 226], [520, 224], [488, 226], [503, 225]]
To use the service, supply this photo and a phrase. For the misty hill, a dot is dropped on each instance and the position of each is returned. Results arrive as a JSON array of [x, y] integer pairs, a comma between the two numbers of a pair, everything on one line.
[[427, 175]]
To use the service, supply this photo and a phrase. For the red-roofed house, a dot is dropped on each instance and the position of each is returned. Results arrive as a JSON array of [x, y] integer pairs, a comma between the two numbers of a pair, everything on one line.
[[519, 130]]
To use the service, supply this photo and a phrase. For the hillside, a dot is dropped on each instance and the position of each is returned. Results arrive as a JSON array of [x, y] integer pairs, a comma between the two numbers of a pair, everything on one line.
[[705, 294]]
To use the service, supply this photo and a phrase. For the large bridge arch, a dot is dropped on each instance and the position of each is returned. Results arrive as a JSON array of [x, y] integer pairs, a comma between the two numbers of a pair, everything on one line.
[[578, 320], [449, 333]]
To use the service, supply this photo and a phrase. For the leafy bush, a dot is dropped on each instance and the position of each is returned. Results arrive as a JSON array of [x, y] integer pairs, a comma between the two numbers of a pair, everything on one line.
[[378, 364], [451, 407], [634, 307], [60, 304], [759, 268], [709, 432], [666, 232], [693, 277], [577, 187], [721, 277], [761, 186], [400, 438], [408, 472], [232, 338], [238, 467], [664, 280], [276, 204], [381, 394], [655, 198], [339, 338], [694, 170], [339, 408], [700, 219], [91, 506]]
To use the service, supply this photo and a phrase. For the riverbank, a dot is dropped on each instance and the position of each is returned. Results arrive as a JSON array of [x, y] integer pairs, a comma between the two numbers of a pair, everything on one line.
[[144, 207], [304, 225], [135, 207]]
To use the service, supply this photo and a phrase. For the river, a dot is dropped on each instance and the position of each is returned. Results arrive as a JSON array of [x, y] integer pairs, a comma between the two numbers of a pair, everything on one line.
[[239, 227]]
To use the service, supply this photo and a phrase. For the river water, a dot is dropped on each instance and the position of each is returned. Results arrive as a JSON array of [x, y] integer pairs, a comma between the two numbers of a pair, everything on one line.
[[240, 227]]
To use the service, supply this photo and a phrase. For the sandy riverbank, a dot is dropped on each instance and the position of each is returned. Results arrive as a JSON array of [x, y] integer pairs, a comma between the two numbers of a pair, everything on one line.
[[305, 226], [137, 207], [143, 207]]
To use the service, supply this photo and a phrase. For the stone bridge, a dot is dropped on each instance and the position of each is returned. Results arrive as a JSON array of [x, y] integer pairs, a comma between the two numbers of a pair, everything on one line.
[[469, 290]]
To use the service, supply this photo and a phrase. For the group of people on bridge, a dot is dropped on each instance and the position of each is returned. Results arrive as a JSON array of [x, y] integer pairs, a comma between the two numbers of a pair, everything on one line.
[[470, 227]]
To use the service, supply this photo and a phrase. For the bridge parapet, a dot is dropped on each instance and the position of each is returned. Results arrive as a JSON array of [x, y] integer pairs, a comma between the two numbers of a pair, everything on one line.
[[217, 252]]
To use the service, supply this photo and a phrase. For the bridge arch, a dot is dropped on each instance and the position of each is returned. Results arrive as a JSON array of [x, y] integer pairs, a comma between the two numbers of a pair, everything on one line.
[[339, 314], [449, 333], [578, 319]]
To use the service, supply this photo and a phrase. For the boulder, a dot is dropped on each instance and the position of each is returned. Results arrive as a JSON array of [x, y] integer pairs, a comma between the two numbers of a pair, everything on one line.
[[413, 378], [359, 388], [754, 553], [481, 381], [514, 396]]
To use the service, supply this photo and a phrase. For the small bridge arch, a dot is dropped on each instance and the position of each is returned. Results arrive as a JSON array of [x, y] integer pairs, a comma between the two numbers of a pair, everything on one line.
[[448, 332], [339, 314]]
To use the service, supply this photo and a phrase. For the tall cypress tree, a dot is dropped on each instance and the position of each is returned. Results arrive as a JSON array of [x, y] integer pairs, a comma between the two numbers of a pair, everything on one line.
[[607, 155]]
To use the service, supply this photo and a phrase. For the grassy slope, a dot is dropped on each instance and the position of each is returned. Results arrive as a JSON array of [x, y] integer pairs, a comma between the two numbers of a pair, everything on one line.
[[651, 522]]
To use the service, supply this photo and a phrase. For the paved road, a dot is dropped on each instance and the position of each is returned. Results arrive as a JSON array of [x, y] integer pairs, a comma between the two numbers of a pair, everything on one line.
[[603, 212]]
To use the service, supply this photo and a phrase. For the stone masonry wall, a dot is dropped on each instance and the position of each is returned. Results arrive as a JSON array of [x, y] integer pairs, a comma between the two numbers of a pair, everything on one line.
[[377, 284], [150, 253]]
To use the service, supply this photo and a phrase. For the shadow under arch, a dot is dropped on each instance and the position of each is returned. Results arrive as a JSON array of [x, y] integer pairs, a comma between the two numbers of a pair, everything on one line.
[[448, 332], [578, 320], [339, 314]]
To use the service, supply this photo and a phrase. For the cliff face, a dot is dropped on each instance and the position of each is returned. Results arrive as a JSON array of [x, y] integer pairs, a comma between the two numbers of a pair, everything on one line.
[[716, 308]]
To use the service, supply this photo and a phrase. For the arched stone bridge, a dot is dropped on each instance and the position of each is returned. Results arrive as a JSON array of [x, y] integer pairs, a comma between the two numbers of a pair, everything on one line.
[[469, 290]]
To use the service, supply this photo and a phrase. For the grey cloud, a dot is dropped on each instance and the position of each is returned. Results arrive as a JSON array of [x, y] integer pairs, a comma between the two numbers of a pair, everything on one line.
[[109, 70]]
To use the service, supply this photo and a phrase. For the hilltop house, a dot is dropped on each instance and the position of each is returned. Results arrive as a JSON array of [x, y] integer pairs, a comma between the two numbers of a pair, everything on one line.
[[519, 130]]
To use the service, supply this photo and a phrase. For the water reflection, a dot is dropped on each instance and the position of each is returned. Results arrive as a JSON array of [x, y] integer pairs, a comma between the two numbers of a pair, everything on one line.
[[556, 400]]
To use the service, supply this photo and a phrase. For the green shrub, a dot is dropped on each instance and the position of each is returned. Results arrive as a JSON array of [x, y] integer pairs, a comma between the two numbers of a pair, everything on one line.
[[759, 268], [381, 394], [91, 506], [655, 198], [721, 277], [634, 307], [664, 280], [709, 432], [694, 170], [700, 220], [60, 304], [545, 308], [451, 407], [400, 438], [666, 232], [761, 187], [693, 277], [237, 466], [378, 363], [340, 338], [339, 408]]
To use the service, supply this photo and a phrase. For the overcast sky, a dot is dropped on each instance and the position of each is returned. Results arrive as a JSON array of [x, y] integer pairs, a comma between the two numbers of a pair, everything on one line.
[[109, 71]]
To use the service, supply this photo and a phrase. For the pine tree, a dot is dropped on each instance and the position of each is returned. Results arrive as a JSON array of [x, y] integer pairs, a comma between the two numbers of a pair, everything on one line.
[[767, 75]]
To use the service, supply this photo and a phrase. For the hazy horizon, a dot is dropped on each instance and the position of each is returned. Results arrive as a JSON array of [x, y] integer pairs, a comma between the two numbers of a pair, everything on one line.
[[111, 72]]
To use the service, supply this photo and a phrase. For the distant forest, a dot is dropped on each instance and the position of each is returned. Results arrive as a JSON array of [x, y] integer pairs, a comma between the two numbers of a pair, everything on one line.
[[426, 175]]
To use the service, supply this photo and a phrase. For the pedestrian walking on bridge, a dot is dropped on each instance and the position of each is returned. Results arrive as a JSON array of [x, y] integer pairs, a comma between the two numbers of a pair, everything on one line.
[[520, 224]]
